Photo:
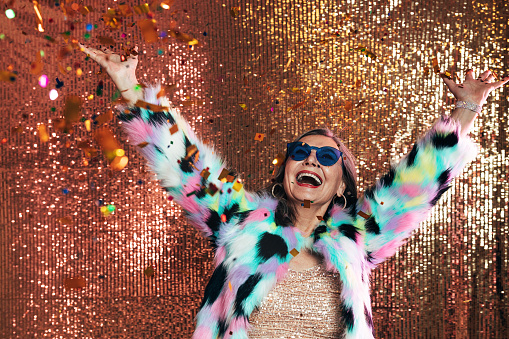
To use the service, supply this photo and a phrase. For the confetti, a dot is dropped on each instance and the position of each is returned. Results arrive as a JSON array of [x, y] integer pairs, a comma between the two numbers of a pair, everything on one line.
[[436, 69], [104, 40], [244, 106], [319, 217], [148, 30], [306, 204], [174, 129], [230, 285], [362, 214], [230, 178], [294, 252], [294, 107], [205, 173], [38, 16], [223, 218], [37, 66], [212, 189], [278, 161], [234, 11], [8, 76], [223, 174], [75, 282], [65, 221], [237, 186], [192, 151], [183, 37], [43, 133], [149, 106], [259, 136]]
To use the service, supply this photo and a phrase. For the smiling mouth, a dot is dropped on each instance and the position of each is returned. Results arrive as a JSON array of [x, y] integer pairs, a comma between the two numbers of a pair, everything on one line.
[[308, 179]]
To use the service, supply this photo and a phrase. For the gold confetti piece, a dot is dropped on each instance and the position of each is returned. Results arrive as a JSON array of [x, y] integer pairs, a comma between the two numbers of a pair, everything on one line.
[[230, 178], [436, 69], [230, 285], [259, 136], [244, 106], [66, 221], [72, 109], [223, 175], [307, 204], [319, 217], [448, 75], [43, 133], [348, 105], [278, 161], [8, 76], [362, 214], [125, 10], [142, 9], [38, 16], [64, 52], [119, 163], [104, 40], [297, 106], [149, 106], [174, 129], [75, 282], [166, 4], [148, 30], [105, 138], [294, 252], [166, 90], [142, 145], [183, 37], [84, 10], [381, 202], [358, 83], [37, 66], [104, 118], [88, 126], [192, 151], [205, 174], [234, 11], [192, 103], [295, 90], [237, 186]]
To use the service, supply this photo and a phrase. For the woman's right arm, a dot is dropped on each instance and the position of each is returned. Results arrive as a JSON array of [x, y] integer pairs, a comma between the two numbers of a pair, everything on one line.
[[191, 172]]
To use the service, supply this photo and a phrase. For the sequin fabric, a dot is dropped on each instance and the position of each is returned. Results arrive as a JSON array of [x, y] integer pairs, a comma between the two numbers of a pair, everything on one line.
[[303, 305]]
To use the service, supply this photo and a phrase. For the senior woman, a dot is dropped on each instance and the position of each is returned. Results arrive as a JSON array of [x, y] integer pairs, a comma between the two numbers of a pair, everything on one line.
[[294, 260]]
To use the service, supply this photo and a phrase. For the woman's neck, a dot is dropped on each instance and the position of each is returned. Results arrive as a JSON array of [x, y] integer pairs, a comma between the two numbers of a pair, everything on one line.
[[306, 219]]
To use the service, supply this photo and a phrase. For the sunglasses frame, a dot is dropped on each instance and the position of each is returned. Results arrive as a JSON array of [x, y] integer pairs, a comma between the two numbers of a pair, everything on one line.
[[292, 145]]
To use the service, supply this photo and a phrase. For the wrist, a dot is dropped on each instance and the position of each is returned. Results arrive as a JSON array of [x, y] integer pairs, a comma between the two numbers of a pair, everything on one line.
[[469, 105]]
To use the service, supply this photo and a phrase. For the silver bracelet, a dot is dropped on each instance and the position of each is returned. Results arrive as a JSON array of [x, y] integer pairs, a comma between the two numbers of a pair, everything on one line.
[[469, 105]]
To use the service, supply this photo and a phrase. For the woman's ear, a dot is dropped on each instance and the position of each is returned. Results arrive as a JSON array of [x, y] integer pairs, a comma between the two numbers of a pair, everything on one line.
[[341, 189]]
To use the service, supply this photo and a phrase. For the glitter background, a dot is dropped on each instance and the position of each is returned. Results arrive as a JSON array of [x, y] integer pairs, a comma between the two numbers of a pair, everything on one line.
[[277, 67]]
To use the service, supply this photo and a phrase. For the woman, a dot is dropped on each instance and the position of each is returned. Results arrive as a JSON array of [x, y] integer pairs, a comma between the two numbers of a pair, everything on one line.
[[294, 260]]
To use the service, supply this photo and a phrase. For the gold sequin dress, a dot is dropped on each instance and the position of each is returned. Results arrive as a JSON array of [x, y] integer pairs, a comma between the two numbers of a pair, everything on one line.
[[305, 305]]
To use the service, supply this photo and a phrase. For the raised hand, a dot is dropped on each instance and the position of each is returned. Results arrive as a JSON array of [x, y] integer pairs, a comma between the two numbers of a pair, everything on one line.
[[474, 90], [121, 69]]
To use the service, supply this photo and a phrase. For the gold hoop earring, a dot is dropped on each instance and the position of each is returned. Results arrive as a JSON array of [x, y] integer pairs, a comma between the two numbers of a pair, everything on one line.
[[275, 187], [337, 197]]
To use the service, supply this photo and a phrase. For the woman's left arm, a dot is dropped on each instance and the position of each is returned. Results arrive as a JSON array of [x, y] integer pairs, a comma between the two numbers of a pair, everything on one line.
[[392, 209]]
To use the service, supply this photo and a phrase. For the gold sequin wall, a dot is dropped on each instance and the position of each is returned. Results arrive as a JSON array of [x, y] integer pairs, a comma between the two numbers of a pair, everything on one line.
[[88, 251]]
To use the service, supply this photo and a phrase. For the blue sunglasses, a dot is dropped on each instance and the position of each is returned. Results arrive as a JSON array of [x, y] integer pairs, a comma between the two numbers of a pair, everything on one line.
[[326, 156]]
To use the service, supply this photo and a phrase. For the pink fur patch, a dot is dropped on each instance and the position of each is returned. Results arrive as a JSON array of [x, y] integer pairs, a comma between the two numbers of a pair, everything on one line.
[[281, 271], [257, 215], [202, 332], [411, 190], [220, 255]]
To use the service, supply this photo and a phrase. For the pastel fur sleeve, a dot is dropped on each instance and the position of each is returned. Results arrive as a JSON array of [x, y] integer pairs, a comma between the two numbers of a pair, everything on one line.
[[192, 172], [402, 198]]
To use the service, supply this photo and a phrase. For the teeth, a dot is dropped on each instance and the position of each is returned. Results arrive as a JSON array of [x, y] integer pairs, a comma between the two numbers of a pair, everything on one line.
[[311, 176]]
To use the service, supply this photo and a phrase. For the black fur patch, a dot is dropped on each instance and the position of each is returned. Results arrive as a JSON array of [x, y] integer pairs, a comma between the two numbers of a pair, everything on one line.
[[411, 156], [372, 226], [348, 317], [215, 285], [244, 292], [159, 118], [202, 192], [369, 257], [369, 319], [231, 211], [318, 231], [134, 112], [243, 216], [442, 179], [439, 194], [388, 178], [349, 231], [185, 165], [213, 221], [280, 216], [443, 141], [270, 245], [221, 326], [370, 193]]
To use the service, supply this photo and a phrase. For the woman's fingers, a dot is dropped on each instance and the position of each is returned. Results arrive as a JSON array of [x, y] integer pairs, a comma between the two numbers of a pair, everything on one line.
[[469, 75], [497, 84], [484, 75], [450, 83]]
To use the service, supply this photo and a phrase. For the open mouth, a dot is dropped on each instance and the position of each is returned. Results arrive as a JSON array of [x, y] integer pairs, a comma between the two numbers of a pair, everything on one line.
[[308, 179]]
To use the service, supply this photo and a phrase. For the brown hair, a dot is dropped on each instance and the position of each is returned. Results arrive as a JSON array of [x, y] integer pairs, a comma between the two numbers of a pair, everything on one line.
[[285, 213]]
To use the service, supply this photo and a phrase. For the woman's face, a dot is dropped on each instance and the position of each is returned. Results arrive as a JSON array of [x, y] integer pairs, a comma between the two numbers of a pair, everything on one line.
[[300, 181]]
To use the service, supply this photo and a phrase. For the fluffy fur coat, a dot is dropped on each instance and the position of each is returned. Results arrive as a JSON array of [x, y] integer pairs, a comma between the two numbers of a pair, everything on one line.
[[252, 252]]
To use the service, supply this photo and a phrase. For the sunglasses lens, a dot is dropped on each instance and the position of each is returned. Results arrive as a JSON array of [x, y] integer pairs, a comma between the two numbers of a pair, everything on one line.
[[326, 156], [300, 152]]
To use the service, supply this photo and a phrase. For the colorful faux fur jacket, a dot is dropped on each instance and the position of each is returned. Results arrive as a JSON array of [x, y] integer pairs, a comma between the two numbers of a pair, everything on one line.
[[252, 252]]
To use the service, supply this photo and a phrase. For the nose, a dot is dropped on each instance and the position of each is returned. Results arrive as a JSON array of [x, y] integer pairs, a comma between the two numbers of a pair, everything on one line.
[[311, 160]]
